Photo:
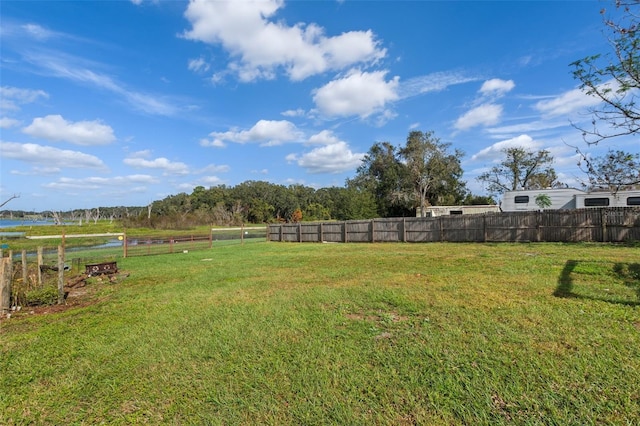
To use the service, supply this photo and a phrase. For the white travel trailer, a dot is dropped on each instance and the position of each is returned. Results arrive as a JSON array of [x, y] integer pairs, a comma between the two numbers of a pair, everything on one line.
[[607, 199], [523, 200], [567, 198]]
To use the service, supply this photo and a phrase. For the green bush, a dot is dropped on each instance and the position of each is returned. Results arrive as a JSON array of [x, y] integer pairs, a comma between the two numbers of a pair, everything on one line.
[[43, 296]]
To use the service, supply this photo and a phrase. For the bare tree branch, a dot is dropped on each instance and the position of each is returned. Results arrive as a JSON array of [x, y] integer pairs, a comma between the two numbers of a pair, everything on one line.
[[10, 198]]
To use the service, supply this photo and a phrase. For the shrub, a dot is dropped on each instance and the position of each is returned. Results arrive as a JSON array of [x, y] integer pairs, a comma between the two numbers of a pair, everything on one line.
[[43, 296]]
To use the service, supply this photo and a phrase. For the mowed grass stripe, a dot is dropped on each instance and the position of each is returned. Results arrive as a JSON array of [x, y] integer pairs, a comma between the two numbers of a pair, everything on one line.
[[274, 333]]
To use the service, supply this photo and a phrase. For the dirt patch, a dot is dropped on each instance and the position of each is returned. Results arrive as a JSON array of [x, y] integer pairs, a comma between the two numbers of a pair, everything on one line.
[[362, 317], [380, 317], [385, 335]]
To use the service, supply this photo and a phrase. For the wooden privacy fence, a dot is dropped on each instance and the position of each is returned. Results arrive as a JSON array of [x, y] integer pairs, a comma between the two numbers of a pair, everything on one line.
[[598, 225]]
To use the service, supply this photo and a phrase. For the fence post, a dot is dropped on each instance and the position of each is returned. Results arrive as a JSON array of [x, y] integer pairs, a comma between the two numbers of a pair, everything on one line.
[[603, 223], [25, 272], [484, 227], [404, 230], [373, 230], [321, 232], [40, 263], [6, 274], [60, 274], [299, 232], [345, 239]]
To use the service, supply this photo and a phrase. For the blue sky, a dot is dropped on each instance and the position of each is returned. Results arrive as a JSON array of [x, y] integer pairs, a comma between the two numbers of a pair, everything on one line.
[[111, 103]]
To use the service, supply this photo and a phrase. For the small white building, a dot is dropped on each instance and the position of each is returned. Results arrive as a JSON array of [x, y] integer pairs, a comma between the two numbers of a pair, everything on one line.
[[435, 211]]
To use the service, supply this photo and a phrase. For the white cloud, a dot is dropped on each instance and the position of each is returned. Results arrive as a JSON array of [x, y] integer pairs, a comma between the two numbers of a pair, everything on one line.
[[496, 86], [198, 65], [384, 117], [71, 68], [46, 155], [358, 93], [266, 132], [12, 97], [294, 113], [325, 137], [494, 151], [38, 32], [528, 127], [260, 45], [215, 142], [167, 167], [434, 82], [334, 158], [56, 128], [211, 180], [213, 168], [483, 115], [567, 103], [37, 171], [94, 183], [7, 123]]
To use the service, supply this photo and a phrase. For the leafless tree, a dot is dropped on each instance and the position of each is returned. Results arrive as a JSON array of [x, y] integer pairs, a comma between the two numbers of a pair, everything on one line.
[[9, 199]]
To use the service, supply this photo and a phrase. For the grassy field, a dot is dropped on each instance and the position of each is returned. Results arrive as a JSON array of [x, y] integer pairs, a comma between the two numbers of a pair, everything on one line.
[[277, 333]]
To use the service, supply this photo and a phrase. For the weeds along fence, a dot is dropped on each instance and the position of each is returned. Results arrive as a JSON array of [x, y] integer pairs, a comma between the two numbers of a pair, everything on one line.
[[27, 281], [596, 225]]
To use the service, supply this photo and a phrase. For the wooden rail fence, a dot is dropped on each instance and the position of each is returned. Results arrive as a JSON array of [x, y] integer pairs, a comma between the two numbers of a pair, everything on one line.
[[597, 225]]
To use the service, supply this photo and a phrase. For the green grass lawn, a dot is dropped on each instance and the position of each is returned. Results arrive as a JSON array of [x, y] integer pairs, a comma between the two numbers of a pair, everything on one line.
[[287, 333]]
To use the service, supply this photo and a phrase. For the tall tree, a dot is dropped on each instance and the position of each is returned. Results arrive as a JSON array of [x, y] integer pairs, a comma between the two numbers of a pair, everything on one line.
[[613, 171], [433, 172], [521, 169], [383, 176], [614, 77]]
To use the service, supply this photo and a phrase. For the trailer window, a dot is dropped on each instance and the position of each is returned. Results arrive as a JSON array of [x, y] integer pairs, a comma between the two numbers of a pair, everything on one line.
[[521, 199], [596, 202], [633, 201], [455, 212]]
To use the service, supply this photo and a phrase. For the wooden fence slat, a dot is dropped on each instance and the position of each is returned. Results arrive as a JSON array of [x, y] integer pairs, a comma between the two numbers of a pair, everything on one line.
[[60, 274]]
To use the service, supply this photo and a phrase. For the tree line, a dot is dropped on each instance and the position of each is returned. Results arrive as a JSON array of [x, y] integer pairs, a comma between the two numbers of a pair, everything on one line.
[[391, 182]]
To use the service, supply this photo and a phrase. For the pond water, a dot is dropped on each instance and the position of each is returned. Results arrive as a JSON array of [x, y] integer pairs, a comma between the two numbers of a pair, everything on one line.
[[11, 223]]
